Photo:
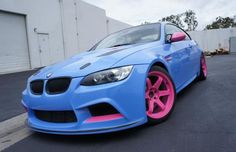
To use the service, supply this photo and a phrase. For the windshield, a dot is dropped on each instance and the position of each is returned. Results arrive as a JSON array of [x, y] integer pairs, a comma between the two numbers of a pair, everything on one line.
[[133, 35]]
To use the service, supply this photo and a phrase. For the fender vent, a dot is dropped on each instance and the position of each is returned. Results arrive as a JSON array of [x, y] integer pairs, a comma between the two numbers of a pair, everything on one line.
[[85, 66], [102, 109]]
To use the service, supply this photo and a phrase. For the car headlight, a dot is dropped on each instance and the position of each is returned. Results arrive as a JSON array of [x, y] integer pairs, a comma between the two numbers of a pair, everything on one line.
[[107, 76]]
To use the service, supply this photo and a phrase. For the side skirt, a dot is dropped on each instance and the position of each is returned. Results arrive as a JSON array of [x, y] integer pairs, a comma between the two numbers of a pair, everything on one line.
[[186, 84]]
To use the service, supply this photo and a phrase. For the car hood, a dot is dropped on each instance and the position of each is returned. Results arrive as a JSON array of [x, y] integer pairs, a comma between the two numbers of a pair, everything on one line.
[[87, 62]]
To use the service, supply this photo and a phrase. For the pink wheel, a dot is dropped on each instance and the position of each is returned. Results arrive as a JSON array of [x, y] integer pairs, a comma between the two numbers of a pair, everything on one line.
[[160, 95], [203, 69]]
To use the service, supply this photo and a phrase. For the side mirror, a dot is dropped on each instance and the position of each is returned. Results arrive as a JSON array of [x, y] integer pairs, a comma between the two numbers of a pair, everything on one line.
[[177, 36]]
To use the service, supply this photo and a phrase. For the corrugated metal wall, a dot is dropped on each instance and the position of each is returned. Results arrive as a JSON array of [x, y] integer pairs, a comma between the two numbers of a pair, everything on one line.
[[14, 55], [210, 40]]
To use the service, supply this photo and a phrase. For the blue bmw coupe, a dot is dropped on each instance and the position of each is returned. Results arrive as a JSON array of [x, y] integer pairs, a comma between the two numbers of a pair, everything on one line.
[[129, 78]]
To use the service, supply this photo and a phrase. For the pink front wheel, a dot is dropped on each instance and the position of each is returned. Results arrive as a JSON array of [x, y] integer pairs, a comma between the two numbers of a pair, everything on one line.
[[160, 95]]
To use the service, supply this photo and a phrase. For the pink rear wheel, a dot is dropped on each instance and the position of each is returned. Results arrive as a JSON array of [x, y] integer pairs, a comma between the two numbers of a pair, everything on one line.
[[160, 95], [203, 68]]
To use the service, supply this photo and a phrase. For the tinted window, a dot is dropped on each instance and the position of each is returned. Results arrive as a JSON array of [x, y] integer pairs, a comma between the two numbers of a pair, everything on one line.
[[170, 29], [134, 35]]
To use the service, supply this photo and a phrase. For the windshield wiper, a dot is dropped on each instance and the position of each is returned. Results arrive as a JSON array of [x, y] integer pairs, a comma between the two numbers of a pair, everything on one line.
[[121, 45]]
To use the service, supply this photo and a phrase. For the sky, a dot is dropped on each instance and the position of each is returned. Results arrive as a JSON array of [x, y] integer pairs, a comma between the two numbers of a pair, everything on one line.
[[135, 12]]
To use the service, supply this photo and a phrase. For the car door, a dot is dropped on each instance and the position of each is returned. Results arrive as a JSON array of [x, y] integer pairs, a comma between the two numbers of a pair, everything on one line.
[[191, 51], [194, 58], [192, 63], [180, 54]]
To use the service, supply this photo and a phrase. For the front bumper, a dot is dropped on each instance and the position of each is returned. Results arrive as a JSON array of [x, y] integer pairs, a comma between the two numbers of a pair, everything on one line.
[[127, 97]]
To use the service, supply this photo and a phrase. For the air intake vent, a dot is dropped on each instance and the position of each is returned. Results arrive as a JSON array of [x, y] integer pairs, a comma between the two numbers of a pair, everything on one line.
[[56, 116], [58, 85], [37, 87], [102, 109]]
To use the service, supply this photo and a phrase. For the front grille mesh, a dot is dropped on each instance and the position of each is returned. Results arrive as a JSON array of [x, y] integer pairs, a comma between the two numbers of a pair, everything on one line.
[[37, 87], [56, 116], [53, 86], [57, 85]]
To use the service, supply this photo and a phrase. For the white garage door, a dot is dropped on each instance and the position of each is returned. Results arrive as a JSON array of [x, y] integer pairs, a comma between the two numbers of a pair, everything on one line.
[[13, 43]]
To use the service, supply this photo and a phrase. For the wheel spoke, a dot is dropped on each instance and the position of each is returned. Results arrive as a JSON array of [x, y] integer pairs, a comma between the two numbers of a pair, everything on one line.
[[160, 104], [150, 106], [147, 96], [164, 93], [149, 84], [158, 83]]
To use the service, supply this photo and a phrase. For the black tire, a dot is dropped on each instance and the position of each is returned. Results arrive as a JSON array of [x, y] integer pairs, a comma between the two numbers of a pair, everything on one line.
[[152, 121], [201, 76]]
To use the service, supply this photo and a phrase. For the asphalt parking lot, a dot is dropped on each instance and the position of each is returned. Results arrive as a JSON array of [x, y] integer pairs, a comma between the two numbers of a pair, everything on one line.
[[11, 86], [204, 120]]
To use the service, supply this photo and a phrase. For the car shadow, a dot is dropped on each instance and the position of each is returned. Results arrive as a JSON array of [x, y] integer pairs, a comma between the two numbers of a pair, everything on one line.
[[89, 139], [188, 89]]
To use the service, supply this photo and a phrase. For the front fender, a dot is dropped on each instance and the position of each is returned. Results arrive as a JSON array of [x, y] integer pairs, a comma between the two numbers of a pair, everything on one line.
[[148, 57]]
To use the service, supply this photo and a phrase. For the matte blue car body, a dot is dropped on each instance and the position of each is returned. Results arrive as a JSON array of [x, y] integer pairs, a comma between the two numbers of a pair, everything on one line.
[[181, 59]]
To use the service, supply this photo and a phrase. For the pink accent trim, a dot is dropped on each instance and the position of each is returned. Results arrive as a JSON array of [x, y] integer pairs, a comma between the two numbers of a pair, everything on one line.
[[177, 36], [160, 100], [104, 118]]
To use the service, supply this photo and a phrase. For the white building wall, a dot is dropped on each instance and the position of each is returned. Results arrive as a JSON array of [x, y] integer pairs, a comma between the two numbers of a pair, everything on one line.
[[115, 25], [84, 25], [72, 25], [69, 23], [44, 16], [91, 25], [210, 40]]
